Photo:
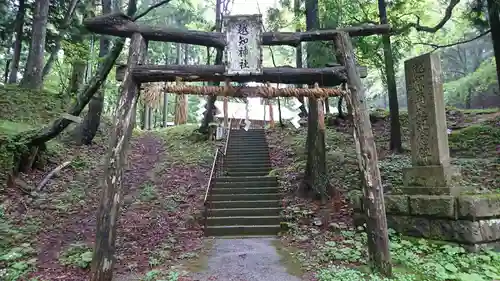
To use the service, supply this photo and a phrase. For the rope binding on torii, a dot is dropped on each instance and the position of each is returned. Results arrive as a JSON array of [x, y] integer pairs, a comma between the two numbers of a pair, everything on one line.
[[260, 91]]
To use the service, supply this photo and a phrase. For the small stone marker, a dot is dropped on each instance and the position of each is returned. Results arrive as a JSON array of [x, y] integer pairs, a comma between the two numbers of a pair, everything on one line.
[[431, 171], [243, 50]]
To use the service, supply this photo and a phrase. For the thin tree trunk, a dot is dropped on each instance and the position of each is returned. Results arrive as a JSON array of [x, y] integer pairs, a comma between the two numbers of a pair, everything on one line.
[[77, 78], [208, 115], [18, 43], [165, 110], [109, 209], [298, 58], [494, 18], [32, 78], [395, 142], [64, 26], [279, 113], [327, 106], [315, 179], [378, 238], [91, 122], [6, 71]]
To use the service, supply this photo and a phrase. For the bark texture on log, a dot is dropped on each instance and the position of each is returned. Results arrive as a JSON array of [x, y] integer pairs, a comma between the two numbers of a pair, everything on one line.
[[111, 183], [378, 239], [118, 24], [325, 76]]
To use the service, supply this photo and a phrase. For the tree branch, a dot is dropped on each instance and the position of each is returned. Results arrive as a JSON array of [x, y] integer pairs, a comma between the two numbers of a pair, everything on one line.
[[431, 29], [150, 9], [436, 46]]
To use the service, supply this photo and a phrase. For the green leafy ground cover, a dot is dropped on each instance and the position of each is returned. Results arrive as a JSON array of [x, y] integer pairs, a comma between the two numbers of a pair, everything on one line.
[[49, 235], [322, 236]]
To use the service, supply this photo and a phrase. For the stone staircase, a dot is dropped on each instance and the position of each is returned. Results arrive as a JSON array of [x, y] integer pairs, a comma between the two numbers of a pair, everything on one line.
[[245, 201]]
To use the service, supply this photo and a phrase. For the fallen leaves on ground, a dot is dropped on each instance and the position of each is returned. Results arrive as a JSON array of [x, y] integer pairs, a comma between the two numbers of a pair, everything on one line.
[[159, 222]]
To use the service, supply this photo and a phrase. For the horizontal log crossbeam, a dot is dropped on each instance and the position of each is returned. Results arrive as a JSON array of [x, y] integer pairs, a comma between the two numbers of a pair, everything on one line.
[[325, 76], [119, 24], [250, 92]]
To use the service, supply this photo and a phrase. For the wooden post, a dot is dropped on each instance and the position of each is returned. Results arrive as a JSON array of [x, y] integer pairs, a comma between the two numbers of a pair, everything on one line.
[[376, 222], [271, 116], [226, 113], [111, 182]]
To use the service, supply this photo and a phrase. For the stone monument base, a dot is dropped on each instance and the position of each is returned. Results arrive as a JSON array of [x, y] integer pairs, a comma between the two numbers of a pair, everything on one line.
[[472, 221]]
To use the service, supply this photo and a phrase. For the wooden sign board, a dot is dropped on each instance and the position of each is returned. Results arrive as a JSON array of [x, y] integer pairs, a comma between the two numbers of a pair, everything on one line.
[[243, 44]]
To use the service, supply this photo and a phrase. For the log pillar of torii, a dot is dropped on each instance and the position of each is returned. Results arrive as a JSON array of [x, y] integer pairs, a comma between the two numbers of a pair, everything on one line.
[[111, 182]]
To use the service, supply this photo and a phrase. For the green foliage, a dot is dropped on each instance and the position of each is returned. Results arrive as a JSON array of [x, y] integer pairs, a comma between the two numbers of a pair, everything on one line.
[[479, 140], [16, 255], [29, 107], [481, 80], [148, 193], [415, 259], [78, 255], [183, 147]]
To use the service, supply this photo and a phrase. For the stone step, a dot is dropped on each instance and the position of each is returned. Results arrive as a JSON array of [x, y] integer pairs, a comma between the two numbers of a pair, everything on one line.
[[246, 190], [247, 174], [242, 230], [257, 162], [249, 166], [244, 197], [251, 212], [254, 153], [248, 159], [239, 169], [245, 184], [244, 220], [247, 143], [248, 148], [244, 204], [266, 179]]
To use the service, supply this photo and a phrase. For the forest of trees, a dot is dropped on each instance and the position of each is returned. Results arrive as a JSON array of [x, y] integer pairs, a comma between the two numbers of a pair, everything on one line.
[[45, 46], [62, 56]]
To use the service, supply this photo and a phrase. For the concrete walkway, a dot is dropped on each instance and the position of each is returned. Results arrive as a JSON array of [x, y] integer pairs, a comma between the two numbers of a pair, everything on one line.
[[247, 259]]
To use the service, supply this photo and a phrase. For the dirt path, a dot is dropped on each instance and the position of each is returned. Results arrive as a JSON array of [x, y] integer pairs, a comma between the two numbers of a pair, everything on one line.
[[160, 200], [247, 259]]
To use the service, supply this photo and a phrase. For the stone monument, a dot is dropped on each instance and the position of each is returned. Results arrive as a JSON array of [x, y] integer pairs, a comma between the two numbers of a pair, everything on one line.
[[430, 204]]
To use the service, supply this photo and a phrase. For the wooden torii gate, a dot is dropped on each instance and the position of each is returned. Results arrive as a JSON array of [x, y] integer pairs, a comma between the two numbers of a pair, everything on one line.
[[243, 64]]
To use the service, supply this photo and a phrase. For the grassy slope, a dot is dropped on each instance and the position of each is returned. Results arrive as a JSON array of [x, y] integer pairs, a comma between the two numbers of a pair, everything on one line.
[[22, 110], [322, 235], [165, 179]]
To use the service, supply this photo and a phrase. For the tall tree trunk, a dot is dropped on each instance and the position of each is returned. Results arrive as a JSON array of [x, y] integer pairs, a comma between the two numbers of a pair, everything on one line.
[[90, 125], [180, 100], [77, 77], [6, 71], [298, 59], [327, 106], [208, 115], [32, 78], [165, 110], [494, 18], [111, 184], [315, 177], [18, 43], [279, 113], [395, 142], [64, 26]]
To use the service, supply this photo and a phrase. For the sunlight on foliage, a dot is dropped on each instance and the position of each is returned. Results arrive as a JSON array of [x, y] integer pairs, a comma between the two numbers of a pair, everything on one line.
[[182, 146]]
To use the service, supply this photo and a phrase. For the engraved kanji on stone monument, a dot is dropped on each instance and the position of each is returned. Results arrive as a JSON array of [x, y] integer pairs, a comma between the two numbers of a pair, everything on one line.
[[426, 110], [243, 44]]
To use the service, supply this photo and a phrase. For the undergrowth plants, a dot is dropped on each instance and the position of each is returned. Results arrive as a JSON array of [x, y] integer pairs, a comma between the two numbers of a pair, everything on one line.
[[414, 259]]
